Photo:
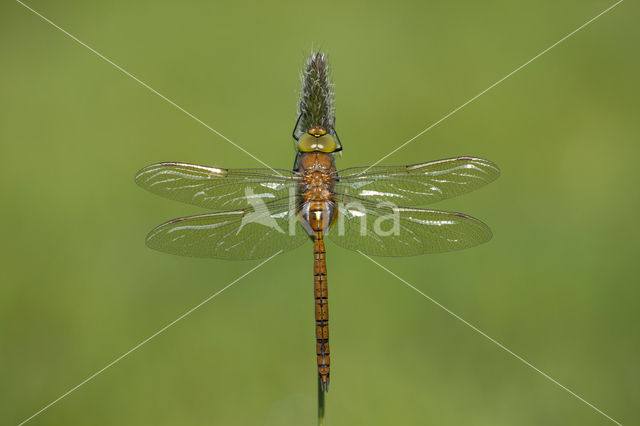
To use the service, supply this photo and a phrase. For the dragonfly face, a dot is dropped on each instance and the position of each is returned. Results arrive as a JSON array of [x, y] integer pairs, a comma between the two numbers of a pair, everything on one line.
[[260, 212]]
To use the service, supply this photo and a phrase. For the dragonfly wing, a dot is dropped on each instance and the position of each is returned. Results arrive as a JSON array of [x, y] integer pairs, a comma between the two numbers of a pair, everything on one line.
[[397, 231], [214, 188], [417, 184], [240, 234]]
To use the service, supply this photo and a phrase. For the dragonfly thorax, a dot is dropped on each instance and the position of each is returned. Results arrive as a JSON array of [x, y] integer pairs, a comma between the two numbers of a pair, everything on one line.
[[317, 211], [316, 161]]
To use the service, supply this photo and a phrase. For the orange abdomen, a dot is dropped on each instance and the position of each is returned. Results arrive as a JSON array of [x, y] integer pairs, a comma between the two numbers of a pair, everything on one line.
[[322, 311]]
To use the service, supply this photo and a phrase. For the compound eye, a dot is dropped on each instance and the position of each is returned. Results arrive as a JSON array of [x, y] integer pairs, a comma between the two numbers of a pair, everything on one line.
[[327, 143], [310, 143]]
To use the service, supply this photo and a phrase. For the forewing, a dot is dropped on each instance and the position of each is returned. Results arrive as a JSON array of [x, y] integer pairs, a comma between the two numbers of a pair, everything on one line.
[[393, 231], [214, 188], [241, 234], [417, 184]]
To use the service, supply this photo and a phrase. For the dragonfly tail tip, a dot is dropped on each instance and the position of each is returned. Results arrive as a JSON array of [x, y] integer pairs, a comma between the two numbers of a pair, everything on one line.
[[324, 383]]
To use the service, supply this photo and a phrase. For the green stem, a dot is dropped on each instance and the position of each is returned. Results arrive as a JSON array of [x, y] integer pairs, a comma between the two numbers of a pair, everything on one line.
[[321, 405]]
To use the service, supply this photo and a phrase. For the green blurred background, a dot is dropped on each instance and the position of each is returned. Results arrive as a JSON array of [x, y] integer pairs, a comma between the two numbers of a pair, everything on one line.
[[557, 285]]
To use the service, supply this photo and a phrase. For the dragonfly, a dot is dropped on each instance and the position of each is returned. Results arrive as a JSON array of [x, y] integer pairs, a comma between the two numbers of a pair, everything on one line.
[[260, 212]]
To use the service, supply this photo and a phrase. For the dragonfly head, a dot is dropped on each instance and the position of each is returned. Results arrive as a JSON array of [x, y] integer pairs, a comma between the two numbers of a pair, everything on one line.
[[317, 139]]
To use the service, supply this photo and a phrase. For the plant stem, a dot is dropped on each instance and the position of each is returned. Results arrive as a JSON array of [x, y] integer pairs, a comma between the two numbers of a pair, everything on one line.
[[321, 406]]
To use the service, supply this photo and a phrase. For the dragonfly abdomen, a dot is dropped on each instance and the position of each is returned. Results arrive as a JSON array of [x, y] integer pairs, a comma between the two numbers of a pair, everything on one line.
[[322, 311]]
